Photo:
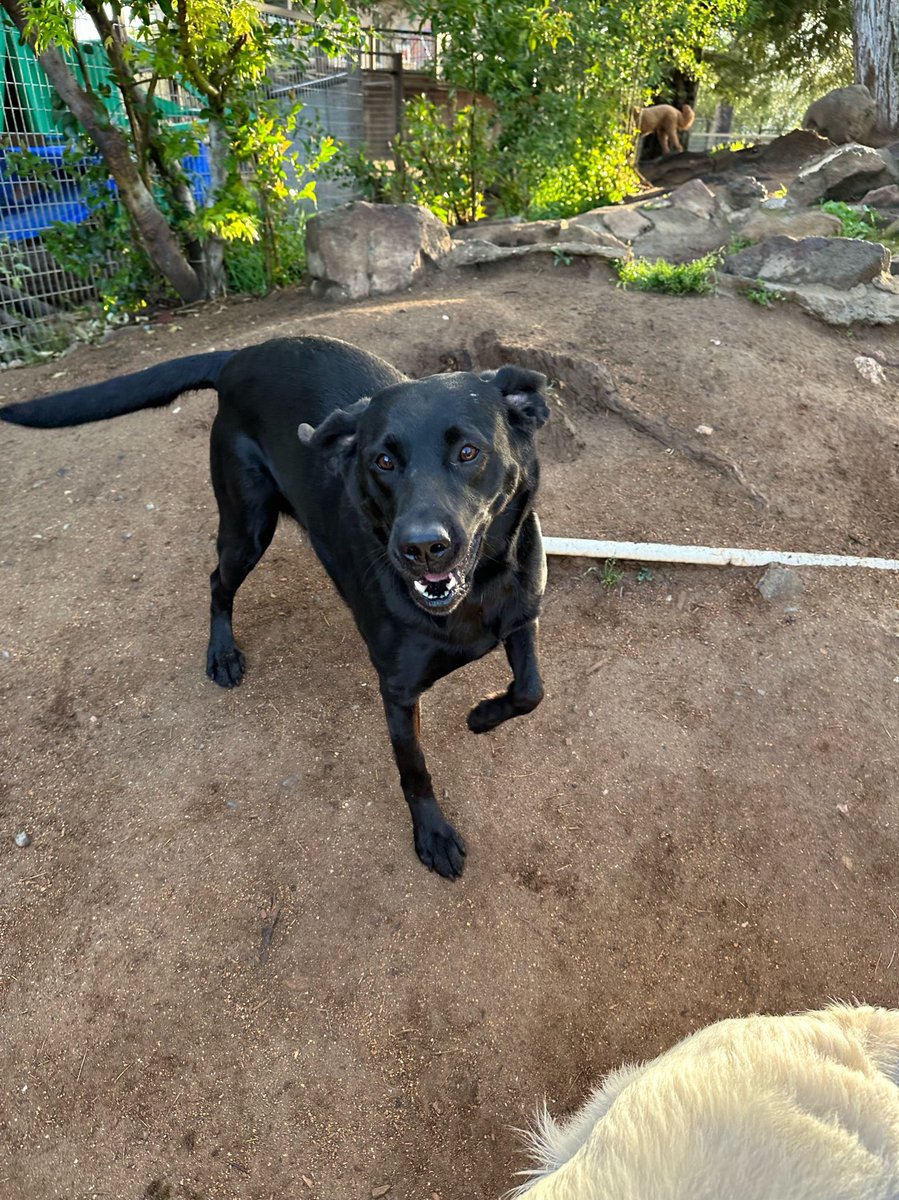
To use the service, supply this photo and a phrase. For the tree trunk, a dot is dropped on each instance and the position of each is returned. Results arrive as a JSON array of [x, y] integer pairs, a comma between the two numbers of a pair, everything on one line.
[[724, 117], [212, 266], [875, 26], [159, 241]]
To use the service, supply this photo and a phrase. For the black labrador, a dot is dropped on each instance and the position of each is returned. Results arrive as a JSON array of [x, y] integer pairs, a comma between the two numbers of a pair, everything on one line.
[[417, 496]]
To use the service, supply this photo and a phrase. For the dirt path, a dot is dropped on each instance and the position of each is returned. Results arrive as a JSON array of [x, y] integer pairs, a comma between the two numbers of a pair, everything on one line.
[[224, 974]]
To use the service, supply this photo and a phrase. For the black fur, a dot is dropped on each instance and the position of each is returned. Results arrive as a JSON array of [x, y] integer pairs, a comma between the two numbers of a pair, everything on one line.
[[417, 496]]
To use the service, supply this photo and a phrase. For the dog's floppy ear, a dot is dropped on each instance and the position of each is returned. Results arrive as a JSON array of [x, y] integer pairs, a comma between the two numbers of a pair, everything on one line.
[[521, 390], [337, 433]]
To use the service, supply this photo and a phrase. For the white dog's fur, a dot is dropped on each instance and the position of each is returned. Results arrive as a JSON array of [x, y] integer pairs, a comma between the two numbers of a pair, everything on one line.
[[802, 1107]]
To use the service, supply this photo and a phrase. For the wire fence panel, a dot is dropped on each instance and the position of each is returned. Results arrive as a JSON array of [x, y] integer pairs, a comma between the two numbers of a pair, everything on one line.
[[43, 307]]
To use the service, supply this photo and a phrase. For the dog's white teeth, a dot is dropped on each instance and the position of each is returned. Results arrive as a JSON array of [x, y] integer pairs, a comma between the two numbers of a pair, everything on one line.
[[437, 589]]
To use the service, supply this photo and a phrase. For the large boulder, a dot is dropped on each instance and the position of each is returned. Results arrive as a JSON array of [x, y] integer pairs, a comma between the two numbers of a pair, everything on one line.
[[793, 222], [832, 261], [363, 249], [866, 304], [844, 173], [844, 115], [623, 221], [678, 234]]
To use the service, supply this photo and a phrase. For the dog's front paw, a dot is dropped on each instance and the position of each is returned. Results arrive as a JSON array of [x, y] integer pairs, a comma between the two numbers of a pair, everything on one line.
[[441, 849], [490, 713], [225, 667]]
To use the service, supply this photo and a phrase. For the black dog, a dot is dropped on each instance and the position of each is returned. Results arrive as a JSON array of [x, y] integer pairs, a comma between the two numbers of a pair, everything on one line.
[[417, 496]]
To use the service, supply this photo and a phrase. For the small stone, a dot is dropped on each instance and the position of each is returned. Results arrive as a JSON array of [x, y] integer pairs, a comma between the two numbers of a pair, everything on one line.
[[377, 1192], [23, 839], [705, 430], [869, 369], [779, 583]]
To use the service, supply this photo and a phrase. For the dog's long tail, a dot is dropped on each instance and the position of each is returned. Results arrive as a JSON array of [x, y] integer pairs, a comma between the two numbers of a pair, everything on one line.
[[151, 388]]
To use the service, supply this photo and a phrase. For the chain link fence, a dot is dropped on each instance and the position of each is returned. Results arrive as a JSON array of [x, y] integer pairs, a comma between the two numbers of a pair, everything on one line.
[[44, 307]]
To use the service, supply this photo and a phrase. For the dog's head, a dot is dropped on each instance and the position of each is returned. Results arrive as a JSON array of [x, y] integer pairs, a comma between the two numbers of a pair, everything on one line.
[[432, 463]]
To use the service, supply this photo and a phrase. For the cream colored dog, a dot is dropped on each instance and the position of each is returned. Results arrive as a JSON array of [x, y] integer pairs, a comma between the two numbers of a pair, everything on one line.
[[664, 120], [801, 1107]]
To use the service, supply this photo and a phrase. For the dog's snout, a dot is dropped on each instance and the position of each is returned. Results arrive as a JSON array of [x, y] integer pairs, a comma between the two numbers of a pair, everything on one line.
[[426, 545]]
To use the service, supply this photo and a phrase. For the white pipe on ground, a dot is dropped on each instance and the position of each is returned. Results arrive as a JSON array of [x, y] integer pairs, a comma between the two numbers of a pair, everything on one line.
[[707, 556]]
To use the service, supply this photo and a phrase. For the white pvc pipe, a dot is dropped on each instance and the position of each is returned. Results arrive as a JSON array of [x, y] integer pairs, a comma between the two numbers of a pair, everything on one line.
[[707, 556]]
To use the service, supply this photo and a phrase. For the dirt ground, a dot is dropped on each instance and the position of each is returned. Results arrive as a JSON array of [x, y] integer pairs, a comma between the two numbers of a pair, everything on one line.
[[223, 971]]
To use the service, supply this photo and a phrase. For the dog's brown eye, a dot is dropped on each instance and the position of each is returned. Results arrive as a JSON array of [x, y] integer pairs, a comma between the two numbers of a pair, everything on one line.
[[384, 462], [468, 453]]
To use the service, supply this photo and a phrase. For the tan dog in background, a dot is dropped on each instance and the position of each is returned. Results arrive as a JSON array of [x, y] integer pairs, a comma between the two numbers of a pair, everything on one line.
[[664, 120]]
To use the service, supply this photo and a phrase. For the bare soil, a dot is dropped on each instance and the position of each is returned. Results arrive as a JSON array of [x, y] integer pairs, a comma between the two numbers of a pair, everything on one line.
[[224, 973]]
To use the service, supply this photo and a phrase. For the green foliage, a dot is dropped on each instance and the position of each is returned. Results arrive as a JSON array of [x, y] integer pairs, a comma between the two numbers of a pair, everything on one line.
[[611, 576], [248, 271], [595, 175], [445, 162], [377, 181], [786, 53], [860, 221], [675, 279], [219, 52], [560, 82], [856, 221], [763, 295], [737, 243]]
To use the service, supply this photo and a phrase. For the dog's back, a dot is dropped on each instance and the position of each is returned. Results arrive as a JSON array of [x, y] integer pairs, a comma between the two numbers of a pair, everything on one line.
[[801, 1107]]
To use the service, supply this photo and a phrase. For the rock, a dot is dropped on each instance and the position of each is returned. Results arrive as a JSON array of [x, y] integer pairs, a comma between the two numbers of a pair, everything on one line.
[[678, 235], [483, 229], [788, 152], [744, 191], [882, 197], [869, 369], [696, 198], [844, 115], [363, 249], [844, 173], [780, 583], [835, 262], [22, 839], [797, 223], [517, 233], [594, 237], [625, 222], [469, 253], [867, 304]]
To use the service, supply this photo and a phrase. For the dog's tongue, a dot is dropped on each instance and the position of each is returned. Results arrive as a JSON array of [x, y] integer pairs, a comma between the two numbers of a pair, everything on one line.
[[432, 578]]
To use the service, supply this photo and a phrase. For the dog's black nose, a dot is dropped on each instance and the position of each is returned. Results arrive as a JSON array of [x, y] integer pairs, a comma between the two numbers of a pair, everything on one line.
[[426, 546]]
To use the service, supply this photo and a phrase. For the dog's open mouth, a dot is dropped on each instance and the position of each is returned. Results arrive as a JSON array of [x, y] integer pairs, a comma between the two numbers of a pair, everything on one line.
[[440, 591]]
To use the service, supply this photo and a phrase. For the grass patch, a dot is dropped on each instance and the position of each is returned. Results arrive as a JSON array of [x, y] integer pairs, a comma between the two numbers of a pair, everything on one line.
[[856, 222], [675, 279], [860, 221], [611, 575], [763, 295]]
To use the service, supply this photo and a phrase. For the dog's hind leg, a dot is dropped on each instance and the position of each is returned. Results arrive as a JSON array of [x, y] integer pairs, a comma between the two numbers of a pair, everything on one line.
[[524, 692], [438, 845], [249, 504]]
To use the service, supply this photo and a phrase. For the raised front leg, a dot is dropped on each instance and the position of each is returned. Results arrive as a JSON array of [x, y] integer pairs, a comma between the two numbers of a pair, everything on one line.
[[525, 691], [437, 843]]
